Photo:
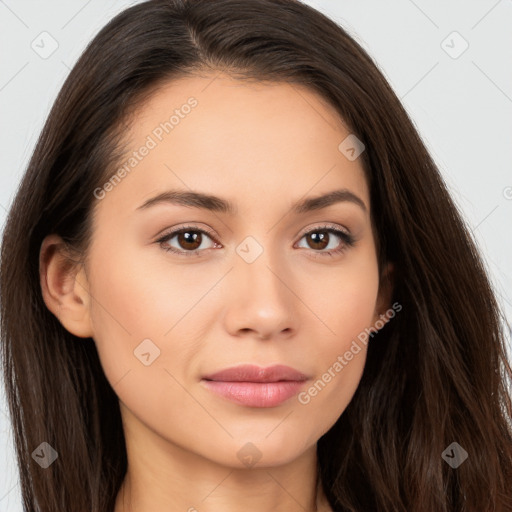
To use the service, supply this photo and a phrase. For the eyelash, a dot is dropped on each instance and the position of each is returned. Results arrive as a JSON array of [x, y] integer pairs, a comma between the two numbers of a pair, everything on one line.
[[347, 240]]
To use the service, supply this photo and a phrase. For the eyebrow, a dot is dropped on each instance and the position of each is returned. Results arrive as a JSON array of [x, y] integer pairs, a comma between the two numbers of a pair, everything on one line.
[[217, 204]]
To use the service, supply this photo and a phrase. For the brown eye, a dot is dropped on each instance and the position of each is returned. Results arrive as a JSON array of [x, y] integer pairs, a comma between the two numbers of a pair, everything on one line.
[[318, 239], [187, 241], [326, 237]]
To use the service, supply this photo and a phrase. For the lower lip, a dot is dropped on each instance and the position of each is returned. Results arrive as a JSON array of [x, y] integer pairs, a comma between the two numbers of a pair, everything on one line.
[[255, 394]]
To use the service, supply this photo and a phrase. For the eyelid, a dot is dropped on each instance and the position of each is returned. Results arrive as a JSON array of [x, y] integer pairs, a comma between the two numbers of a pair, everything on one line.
[[325, 225], [173, 230], [167, 232]]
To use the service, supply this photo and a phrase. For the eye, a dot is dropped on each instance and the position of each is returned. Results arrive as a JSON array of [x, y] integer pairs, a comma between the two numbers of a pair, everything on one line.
[[328, 237], [190, 240]]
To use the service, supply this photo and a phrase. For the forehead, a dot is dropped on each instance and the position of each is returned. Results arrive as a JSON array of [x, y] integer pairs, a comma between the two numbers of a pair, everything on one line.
[[238, 109], [237, 139]]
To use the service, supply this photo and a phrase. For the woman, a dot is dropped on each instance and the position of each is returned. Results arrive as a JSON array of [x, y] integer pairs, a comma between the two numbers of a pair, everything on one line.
[[233, 278]]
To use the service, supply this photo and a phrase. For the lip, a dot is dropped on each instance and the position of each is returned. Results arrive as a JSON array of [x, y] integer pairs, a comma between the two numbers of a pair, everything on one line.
[[256, 386], [253, 373]]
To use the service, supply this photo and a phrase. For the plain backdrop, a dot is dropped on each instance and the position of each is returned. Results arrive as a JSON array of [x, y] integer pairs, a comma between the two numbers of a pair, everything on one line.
[[450, 62]]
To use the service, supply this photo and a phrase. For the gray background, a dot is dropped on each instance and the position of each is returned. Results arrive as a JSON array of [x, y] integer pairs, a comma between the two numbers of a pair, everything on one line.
[[461, 102]]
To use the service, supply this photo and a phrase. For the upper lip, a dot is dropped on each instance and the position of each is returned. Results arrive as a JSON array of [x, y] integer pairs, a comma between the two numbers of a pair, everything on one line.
[[252, 373]]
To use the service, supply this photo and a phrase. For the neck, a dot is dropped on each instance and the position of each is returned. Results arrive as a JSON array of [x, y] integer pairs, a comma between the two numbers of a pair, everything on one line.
[[173, 479]]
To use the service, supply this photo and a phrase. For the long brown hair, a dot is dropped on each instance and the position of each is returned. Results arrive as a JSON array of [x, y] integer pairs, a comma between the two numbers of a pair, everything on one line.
[[436, 374]]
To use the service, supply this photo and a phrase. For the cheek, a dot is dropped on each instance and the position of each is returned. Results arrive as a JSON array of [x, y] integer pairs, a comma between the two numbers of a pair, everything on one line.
[[347, 311], [144, 336], [141, 293], [331, 392], [339, 363], [138, 309], [345, 300]]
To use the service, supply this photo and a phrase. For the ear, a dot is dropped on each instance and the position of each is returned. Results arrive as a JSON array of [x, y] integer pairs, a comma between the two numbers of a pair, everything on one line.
[[385, 294], [64, 287]]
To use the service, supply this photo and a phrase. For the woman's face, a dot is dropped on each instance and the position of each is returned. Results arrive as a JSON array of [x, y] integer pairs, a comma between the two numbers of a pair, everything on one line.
[[242, 286]]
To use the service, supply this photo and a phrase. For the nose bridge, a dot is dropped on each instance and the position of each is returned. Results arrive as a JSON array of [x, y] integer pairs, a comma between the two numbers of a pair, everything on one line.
[[262, 300], [260, 267]]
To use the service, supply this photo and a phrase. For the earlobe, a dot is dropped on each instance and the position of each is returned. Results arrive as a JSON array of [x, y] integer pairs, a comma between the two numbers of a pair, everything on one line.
[[64, 287]]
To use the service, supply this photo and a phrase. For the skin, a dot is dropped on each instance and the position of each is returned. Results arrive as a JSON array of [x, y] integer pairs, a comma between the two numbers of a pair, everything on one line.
[[262, 146]]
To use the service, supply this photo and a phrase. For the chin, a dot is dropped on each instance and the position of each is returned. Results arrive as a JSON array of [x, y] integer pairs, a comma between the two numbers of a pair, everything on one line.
[[259, 451]]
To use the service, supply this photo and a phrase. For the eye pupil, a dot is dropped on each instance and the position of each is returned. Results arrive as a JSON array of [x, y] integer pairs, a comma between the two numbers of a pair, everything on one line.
[[189, 237], [321, 238]]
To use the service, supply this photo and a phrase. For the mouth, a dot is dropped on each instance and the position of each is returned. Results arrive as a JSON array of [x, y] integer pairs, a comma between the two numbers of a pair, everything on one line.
[[254, 386]]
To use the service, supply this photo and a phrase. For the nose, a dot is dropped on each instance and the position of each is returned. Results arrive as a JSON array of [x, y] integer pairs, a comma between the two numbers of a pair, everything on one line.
[[261, 303]]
